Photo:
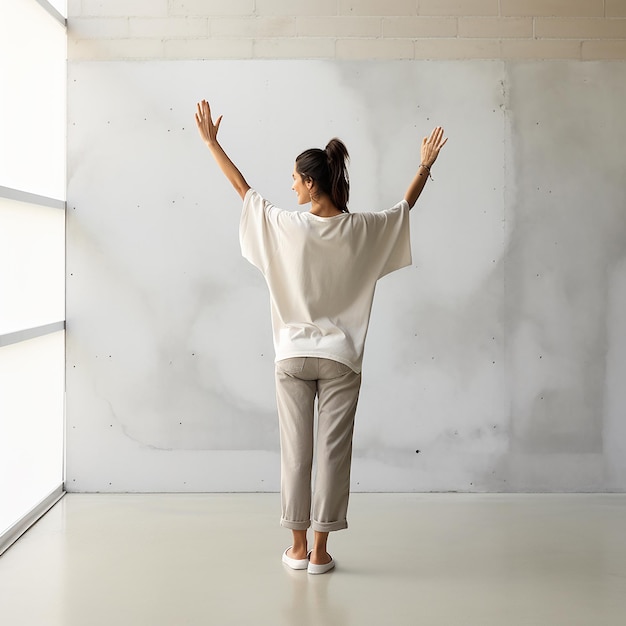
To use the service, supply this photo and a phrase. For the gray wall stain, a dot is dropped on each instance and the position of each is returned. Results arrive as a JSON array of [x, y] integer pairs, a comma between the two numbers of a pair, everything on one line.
[[569, 233]]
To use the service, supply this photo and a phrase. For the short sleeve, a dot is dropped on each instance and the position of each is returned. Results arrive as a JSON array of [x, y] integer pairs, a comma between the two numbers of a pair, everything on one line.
[[258, 230]]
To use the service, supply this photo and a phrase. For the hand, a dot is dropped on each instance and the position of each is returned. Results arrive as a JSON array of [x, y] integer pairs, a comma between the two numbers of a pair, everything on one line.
[[206, 127], [432, 145]]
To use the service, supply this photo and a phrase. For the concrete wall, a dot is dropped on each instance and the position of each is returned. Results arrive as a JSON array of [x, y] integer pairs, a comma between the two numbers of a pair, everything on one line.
[[499, 356]]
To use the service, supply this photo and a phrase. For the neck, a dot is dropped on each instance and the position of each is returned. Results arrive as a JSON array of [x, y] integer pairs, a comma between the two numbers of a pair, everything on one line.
[[323, 207]]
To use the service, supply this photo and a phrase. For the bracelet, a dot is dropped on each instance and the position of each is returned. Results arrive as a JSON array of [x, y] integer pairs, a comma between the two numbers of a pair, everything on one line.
[[428, 170]]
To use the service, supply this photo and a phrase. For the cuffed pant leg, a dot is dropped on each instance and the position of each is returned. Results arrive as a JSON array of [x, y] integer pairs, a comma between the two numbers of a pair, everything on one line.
[[337, 401], [295, 400]]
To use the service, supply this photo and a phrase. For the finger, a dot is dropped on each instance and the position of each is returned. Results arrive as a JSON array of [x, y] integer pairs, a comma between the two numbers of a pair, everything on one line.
[[199, 113], [202, 110], [217, 124]]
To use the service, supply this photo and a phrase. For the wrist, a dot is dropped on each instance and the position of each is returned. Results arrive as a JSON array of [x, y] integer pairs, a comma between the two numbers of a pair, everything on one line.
[[427, 168]]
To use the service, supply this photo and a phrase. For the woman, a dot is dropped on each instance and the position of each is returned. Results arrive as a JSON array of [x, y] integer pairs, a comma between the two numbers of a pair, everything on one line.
[[321, 268]]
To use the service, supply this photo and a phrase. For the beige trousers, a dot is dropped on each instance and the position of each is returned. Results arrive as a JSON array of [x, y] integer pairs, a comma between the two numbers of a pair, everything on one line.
[[298, 382]]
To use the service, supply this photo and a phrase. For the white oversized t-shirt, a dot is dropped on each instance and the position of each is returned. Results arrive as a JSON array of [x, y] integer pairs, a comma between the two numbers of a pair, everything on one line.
[[322, 273]]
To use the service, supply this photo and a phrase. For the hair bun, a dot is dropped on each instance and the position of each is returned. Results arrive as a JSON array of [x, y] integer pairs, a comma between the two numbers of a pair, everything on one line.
[[337, 150]]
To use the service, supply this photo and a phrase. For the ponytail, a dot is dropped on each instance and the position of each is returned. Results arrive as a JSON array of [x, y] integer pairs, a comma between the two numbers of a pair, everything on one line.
[[337, 155], [328, 168]]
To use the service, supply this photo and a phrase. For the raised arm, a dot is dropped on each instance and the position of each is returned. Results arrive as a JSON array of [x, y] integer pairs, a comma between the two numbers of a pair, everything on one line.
[[429, 153], [208, 132]]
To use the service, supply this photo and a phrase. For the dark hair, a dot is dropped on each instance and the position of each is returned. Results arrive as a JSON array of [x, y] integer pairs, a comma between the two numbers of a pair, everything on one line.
[[328, 168]]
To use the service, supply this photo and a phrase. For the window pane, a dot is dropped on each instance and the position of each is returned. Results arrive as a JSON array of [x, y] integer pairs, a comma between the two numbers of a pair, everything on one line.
[[32, 99], [32, 265], [31, 424]]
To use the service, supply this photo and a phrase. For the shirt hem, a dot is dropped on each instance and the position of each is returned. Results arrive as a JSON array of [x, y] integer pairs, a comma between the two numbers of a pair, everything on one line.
[[320, 355]]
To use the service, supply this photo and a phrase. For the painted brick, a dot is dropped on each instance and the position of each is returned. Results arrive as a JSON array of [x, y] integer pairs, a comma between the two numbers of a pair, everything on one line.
[[377, 7], [603, 50], [457, 49], [615, 8], [294, 48], [595, 28], [414, 27], [166, 28], [374, 49], [253, 27], [457, 7], [296, 7], [340, 26], [244, 27], [540, 49], [114, 49], [552, 8], [190, 8], [494, 27], [208, 49], [124, 8], [276, 27], [74, 8], [97, 28]]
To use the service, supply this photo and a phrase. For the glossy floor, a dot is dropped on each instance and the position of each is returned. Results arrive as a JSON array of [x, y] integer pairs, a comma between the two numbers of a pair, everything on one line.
[[431, 559]]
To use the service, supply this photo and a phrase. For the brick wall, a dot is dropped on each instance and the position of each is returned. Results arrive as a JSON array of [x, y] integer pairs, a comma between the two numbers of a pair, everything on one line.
[[347, 29]]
